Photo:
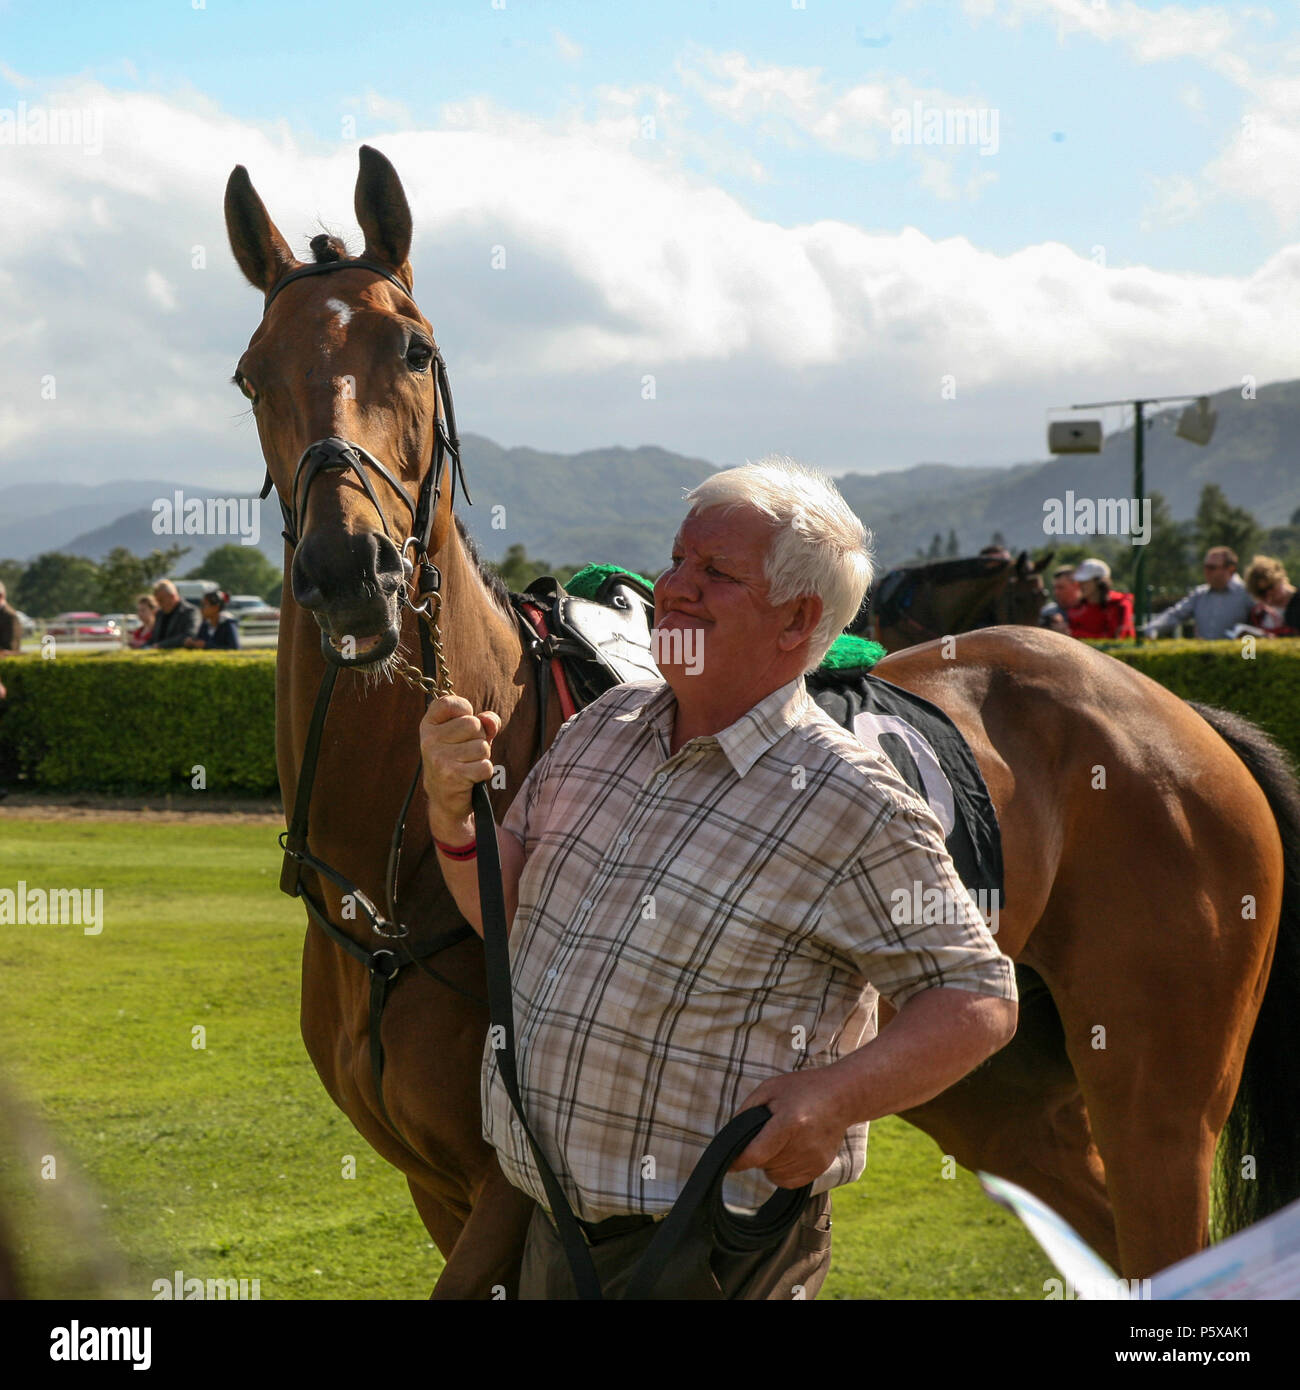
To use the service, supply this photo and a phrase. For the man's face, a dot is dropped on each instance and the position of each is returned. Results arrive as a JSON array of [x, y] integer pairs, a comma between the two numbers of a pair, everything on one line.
[[1218, 571], [167, 599], [714, 592], [1065, 590]]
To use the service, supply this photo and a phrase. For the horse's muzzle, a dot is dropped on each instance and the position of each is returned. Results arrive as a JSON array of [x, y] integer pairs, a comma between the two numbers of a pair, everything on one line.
[[351, 583]]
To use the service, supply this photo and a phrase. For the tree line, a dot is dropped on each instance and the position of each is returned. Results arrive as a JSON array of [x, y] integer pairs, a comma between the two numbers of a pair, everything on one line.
[[57, 583]]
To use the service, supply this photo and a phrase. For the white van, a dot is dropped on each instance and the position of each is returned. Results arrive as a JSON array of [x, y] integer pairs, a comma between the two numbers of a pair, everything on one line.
[[192, 590]]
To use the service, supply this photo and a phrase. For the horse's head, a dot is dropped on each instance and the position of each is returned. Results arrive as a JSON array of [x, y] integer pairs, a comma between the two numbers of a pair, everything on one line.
[[1024, 596], [350, 398]]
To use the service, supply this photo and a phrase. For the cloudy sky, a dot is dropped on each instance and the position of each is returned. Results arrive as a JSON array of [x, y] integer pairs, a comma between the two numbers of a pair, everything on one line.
[[865, 234]]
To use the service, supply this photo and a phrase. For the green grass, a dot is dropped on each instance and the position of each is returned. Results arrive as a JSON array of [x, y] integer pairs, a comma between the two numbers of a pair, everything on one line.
[[227, 1161]]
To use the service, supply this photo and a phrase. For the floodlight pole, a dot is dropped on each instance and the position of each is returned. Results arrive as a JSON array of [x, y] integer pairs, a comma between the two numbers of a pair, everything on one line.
[[1141, 612]]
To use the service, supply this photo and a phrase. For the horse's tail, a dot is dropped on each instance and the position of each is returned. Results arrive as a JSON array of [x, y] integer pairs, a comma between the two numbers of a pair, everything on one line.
[[1265, 1118]]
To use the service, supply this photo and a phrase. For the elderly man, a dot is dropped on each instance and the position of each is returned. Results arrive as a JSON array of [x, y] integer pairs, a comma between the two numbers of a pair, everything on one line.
[[176, 621], [698, 873], [1219, 604]]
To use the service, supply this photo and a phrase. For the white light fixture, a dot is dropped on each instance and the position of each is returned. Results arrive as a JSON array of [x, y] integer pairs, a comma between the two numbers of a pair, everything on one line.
[[1074, 437], [1197, 422]]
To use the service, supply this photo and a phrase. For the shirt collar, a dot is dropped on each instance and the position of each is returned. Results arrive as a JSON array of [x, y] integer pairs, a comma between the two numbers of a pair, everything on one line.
[[743, 742]]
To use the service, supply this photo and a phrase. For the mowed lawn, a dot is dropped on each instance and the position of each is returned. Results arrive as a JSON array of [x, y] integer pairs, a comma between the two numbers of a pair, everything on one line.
[[227, 1161]]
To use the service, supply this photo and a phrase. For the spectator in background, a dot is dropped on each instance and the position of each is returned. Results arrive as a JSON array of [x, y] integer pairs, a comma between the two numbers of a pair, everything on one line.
[[146, 609], [11, 630], [176, 619], [1067, 595], [11, 641], [1215, 606], [1102, 611], [218, 631], [1277, 608]]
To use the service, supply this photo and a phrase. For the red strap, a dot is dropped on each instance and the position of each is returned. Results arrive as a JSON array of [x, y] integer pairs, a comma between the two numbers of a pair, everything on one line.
[[536, 616]]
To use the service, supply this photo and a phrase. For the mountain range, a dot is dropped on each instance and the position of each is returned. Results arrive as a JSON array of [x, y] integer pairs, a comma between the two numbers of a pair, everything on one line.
[[623, 505]]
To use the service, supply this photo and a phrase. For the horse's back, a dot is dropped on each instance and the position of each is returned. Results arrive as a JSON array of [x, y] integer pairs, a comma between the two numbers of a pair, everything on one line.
[[1096, 771]]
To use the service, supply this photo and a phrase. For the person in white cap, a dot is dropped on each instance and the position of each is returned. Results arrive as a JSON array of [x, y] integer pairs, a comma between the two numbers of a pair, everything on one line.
[[1104, 612]]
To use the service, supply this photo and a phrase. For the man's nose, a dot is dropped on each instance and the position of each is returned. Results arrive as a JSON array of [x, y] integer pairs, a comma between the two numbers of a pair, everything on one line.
[[676, 580]]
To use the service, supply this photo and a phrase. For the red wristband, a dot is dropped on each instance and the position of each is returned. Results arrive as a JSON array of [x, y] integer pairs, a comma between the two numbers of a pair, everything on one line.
[[468, 851]]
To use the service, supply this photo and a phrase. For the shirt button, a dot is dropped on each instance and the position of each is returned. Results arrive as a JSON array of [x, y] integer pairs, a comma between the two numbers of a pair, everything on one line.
[[586, 904], [624, 838], [661, 779], [552, 974]]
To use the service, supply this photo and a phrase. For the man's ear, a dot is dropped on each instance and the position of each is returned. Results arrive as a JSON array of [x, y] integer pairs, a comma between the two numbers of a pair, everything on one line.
[[803, 621]]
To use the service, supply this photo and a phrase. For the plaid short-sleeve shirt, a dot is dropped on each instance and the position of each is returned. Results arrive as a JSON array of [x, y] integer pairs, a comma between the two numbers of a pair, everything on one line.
[[692, 924]]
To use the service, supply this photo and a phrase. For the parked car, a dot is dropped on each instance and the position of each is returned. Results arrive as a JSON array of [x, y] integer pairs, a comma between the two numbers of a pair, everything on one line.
[[192, 590], [248, 609], [126, 622], [84, 627]]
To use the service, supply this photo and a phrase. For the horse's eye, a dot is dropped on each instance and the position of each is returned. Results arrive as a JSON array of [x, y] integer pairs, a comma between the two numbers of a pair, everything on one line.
[[246, 387], [418, 354]]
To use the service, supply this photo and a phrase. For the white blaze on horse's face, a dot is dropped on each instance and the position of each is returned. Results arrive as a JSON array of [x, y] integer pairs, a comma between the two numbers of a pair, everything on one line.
[[342, 312]]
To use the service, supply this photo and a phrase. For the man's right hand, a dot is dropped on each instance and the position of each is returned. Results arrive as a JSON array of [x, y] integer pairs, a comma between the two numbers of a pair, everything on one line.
[[456, 750]]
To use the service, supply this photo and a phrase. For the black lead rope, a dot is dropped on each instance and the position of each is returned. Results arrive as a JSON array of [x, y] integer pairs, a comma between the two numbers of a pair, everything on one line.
[[700, 1200]]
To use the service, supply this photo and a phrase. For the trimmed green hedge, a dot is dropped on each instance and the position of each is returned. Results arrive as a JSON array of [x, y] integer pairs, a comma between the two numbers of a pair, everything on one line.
[[1264, 688], [141, 722]]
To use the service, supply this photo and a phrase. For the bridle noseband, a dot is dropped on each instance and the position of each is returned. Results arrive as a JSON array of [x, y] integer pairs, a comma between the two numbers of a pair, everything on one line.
[[334, 454]]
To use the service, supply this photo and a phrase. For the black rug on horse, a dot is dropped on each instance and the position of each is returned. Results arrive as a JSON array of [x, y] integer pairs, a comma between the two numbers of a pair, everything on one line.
[[931, 757]]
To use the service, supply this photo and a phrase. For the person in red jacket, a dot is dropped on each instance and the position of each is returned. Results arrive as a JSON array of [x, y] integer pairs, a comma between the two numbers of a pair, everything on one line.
[[1102, 611]]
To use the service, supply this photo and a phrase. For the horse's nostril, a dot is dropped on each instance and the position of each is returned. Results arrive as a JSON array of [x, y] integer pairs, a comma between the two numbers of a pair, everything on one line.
[[340, 570]]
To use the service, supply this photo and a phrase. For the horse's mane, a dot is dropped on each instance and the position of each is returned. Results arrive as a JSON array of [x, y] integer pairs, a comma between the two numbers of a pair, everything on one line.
[[492, 581]]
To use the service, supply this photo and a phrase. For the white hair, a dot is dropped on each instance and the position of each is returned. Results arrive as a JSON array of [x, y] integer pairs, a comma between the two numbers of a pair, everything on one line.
[[818, 545]]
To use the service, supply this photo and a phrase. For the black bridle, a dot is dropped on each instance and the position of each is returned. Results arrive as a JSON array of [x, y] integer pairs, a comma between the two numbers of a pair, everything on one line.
[[335, 454]]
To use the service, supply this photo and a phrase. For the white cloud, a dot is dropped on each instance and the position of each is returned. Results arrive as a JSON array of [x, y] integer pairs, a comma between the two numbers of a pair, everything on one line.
[[1260, 158], [794, 104], [1151, 35], [1177, 199], [569, 49], [619, 263], [886, 118], [15, 78], [160, 291]]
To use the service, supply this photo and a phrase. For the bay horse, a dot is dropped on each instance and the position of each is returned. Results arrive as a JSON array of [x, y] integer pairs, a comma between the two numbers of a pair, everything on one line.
[[918, 603], [1152, 888]]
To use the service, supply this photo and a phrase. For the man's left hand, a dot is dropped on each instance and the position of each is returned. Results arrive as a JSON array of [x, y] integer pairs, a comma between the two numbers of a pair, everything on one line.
[[807, 1127]]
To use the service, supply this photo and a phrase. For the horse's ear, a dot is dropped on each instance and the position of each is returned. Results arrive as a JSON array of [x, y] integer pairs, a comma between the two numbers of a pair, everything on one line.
[[1022, 563], [383, 213], [262, 253], [1044, 562]]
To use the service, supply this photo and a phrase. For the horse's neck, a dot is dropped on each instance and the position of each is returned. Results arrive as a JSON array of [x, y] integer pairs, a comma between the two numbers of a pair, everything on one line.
[[486, 662], [954, 605]]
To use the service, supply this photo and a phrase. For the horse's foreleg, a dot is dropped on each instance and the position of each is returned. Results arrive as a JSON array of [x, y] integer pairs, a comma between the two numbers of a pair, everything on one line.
[[440, 1222], [486, 1259]]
